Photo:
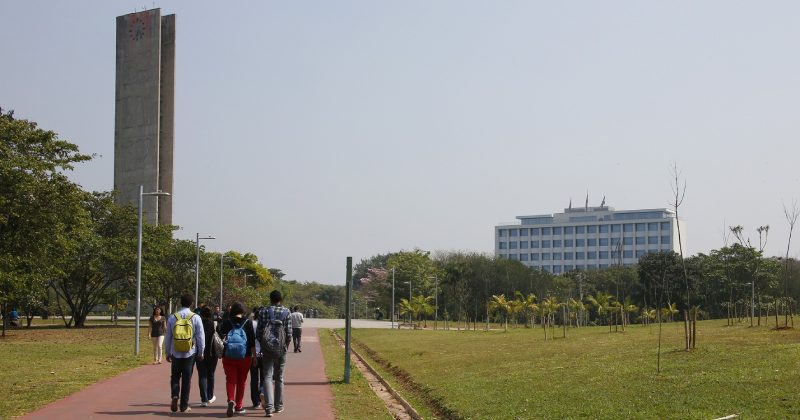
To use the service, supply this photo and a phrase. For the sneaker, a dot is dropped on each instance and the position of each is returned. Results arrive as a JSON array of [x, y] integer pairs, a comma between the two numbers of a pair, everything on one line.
[[268, 414], [186, 410], [230, 409], [263, 401], [204, 404], [213, 398], [280, 410], [241, 411], [299, 350], [174, 405]]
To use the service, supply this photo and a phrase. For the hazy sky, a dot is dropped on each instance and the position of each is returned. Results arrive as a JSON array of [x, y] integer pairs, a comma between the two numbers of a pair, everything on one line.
[[310, 131]]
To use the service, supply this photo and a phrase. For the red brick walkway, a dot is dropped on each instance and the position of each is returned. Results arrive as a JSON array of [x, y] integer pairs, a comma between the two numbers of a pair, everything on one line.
[[145, 392]]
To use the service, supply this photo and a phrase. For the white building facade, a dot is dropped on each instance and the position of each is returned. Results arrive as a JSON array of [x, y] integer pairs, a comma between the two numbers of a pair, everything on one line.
[[587, 238]]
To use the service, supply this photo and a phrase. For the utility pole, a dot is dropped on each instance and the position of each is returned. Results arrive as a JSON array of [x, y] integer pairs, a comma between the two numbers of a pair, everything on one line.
[[392, 297]]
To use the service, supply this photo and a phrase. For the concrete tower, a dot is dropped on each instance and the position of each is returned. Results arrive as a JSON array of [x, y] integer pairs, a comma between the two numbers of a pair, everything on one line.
[[145, 111]]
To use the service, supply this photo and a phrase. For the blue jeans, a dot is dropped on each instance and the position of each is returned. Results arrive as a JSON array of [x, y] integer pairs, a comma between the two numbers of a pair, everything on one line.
[[273, 368], [181, 379], [205, 376]]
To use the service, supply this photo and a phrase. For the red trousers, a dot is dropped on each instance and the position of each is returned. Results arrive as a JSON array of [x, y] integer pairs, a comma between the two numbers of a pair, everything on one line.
[[236, 372]]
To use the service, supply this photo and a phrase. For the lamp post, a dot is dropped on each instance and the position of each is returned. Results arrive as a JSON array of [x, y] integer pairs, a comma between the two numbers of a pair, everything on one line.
[[139, 263], [392, 297], [197, 269], [436, 297], [753, 303], [221, 268]]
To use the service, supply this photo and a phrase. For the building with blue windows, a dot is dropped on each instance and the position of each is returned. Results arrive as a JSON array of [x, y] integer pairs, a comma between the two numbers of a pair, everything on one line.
[[587, 238]]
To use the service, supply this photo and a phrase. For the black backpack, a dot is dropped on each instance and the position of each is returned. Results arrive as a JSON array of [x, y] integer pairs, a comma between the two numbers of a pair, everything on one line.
[[273, 339]]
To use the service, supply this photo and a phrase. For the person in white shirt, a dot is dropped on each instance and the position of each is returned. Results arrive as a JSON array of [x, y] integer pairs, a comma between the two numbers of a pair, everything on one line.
[[183, 362], [297, 328]]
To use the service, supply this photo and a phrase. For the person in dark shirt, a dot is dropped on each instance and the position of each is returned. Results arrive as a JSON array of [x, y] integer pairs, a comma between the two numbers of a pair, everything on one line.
[[207, 366], [237, 369], [158, 329], [274, 365]]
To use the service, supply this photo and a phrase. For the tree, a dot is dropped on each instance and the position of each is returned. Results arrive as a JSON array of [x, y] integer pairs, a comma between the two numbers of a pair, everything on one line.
[[500, 304], [105, 255], [679, 193], [36, 201]]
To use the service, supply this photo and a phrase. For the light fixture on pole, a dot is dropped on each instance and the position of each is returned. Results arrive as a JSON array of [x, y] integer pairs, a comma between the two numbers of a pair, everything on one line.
[[139, 263], [197, 269]]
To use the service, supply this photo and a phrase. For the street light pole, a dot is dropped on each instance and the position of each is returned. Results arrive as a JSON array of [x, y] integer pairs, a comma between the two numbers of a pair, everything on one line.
[[753, 303], [197, 269], [392, 297], [139, 264], [221, 268]]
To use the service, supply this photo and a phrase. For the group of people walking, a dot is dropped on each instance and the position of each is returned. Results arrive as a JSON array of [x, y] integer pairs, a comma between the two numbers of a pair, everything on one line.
[[250, 344]]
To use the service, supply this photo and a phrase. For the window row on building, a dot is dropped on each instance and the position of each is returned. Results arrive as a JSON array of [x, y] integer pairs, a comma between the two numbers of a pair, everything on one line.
[[588, 255], [559, 269], [584, 229], [587, 242]]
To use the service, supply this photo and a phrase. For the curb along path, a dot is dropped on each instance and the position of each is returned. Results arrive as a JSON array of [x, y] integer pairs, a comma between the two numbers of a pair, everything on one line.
[[144, 392]]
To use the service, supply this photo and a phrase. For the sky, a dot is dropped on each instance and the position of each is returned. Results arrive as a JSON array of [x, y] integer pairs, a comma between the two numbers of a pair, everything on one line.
[[307, 132]]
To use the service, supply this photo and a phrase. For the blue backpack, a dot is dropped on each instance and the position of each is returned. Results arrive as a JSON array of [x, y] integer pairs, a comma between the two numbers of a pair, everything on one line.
[[236, 342]]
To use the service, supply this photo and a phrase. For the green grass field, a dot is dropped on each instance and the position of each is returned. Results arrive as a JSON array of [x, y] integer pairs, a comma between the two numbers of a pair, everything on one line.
[[353, 401], [44, 363], [592, 373]]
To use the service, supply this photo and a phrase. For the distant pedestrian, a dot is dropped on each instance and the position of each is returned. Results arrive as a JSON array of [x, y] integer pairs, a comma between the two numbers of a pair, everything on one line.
[[158, 329], [297, 328], [275, 332], [207, 366], [185, 342], [257, 369], [217, 314], [13, 317], [240, 353]]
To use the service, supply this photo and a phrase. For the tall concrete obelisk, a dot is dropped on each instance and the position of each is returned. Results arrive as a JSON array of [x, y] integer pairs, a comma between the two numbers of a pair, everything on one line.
[[144, 118]]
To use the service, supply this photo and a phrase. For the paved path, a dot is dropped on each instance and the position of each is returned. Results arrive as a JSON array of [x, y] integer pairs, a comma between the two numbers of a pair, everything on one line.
[[145, 392]]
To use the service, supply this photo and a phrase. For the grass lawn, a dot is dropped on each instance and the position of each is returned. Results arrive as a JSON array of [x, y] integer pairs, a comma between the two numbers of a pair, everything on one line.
[[592, 373], [43, 364], [353, 401]]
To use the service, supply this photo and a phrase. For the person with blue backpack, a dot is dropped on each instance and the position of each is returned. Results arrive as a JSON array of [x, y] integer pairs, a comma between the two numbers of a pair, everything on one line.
[[274, 331], [238, 356]]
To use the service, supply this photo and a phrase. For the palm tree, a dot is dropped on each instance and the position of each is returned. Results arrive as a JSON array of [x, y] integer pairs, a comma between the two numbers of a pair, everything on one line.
[[603, 302], [576, 307], [406, 308], [529, 307], [669, 311], [422, 307], [499, 303]]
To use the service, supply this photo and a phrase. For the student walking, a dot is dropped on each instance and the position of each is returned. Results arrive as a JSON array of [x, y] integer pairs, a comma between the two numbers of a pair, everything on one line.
[[297, 328], [207, 366], [256, 370], [274, 321], [240, 354], [158, 329], [185, 341]]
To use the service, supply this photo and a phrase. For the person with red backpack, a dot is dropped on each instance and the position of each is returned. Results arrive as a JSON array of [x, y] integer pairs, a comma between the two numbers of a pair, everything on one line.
[[274, 331], [185, 341], [239, 355]]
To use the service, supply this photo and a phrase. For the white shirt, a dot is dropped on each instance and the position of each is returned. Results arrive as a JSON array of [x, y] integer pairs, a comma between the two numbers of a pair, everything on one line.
[[297, 319]]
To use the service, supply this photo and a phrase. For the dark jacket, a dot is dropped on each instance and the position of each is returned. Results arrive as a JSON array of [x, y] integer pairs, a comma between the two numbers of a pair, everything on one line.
[[208, 329], [226, 326]]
